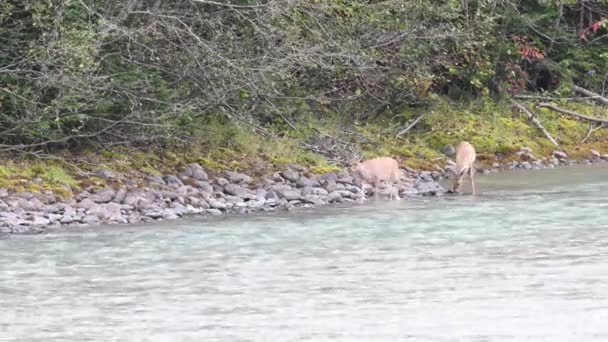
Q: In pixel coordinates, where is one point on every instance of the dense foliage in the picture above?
(80, 72)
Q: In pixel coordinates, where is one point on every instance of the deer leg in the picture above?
(472, 176)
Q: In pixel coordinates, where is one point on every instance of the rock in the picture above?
(271, 195)
(120, 195)
(87, 204)
(106, 174)
(334, 197)
(203, 186)
(236, 177)
(215, 204)
(560, 155)
(12, 219)
(196, 171)
(428, 188)
(214, 212)
(315, 200)
(3, 193)
(449, 150)
(307, 182)
(40, 221)
(327, 177)
(496, 165)
(345, 180)
(408, 191)
(595, 153)
(291, 195)
(222, 181)
(155, 179)
(526, 165)
(66, 219)
(331, 185)
(235, 190)
(90, 219)
(255, 204)
(173, 180)
(103, 196)
(291, 175)
(50, 208)
(310, 191)
(604, 157)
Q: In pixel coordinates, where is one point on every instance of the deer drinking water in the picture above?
(376, 171)
(465, 165)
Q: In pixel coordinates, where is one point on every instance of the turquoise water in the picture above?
(527, 259)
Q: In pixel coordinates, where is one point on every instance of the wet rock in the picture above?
(291, 195)
(526, 165)
(388, 193)
(255, 204)
(271, 195)
(408, 191)
(214, 212)
(40, 221)
(291, 175)
(90, 219)
(449, 150)
(604, 157)
(315, 200)
(216, 204)
(239, 178)
(310, 191)
(12, 219)
(428, 188)
(334, 197)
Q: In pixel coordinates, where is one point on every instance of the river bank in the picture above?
(194, 190)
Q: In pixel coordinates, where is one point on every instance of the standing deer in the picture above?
(465, 164)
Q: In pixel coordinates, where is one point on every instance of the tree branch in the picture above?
(572, 113)
(535, 121)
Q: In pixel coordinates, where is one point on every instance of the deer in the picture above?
(465, 165)
(376, 171)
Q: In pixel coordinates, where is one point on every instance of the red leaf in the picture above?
(596, 26)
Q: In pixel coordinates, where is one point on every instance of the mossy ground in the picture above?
(494, 129)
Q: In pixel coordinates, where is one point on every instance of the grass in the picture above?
(492, 128)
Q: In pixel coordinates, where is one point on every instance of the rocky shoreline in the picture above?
(193, 192)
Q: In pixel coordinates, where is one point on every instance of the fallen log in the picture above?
(572, 113)
(410, 126)
(535, 121)
(595, 96)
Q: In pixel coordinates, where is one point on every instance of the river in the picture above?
(525, 260)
